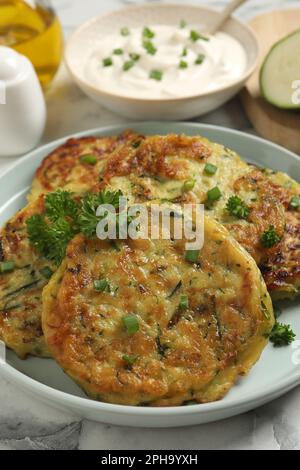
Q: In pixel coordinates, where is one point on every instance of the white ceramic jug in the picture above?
(22, 104)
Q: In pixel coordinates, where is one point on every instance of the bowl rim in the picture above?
(127, 9)
(59, 397)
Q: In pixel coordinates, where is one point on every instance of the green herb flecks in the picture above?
(183, 64)
(270, 237)
(295, 202)
(148, 33)
(210, 169)
(118, 51)
(149, 47)
(107, 62)
(128, 65)
(7, 266)
(156, 75)
(200, 59)
(214, 194)
(131, 324)
(89, 159)
(237, 207)
(195, 36)
(125, 31)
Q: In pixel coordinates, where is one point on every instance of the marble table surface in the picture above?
(25, 423)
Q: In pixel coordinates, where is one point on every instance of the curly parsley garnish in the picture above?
(63, 218)
(282, 334)
(270, 237)
(236, 206)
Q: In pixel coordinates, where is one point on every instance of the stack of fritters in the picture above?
(176, 355)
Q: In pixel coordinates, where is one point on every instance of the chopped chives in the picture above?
(148, 33)
(200, 59)
(184, 302)
(210, 169)
(131, 324)
(188, 185)
(134, 56)
(184, 52)
(295, 202)
(195, 36)
(118, 51)
(183, 64)
(7, 266)
(214, 194)
(150, 48)
(100, 285)
(46, 272)
(90, 159)
(182, 24)
(192, 256)
(107, 62)
(128, 65)
(156, 75)
(130, 359)
(125, 31)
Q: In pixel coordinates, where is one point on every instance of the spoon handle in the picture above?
(224, 15)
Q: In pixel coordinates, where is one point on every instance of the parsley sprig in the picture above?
(282, 334)
(63, 218)
(236, 206)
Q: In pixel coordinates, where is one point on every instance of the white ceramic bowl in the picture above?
(275, 373)
(169, 14)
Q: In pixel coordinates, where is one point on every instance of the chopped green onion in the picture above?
(150, 48)
(147, 33)
(214, 194)
(210, 169)
(195, 36)
(156, 75)
(7, 266)
(100, 285)
(184, 52)
(107, 62)
(134, 56)
(295, 202)
(131, 324)
(46, 272)
(118, 51)
(125, 31)
(130, 359)
(183, 64)
(270, 237)
(188, 185)
(200, 59)
(192, 256)
(184, 302)
(182, 24)
(89, 159)
(128, 65)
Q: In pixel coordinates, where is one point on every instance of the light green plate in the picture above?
(278, 369)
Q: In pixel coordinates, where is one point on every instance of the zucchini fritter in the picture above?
(21, 289)
(135, 323)
(160, 167)
(75, 166)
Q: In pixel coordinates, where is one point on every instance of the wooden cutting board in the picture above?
(280, 126)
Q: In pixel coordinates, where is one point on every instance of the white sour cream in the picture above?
(222, 57)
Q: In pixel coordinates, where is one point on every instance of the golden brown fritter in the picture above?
(193, 327)
(159, 167)
(21, 289)
(67, 166)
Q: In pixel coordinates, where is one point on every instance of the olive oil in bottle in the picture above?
(32, 28)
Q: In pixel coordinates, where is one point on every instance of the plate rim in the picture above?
(85, 403)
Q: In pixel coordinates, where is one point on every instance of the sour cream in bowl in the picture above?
(157, 62)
